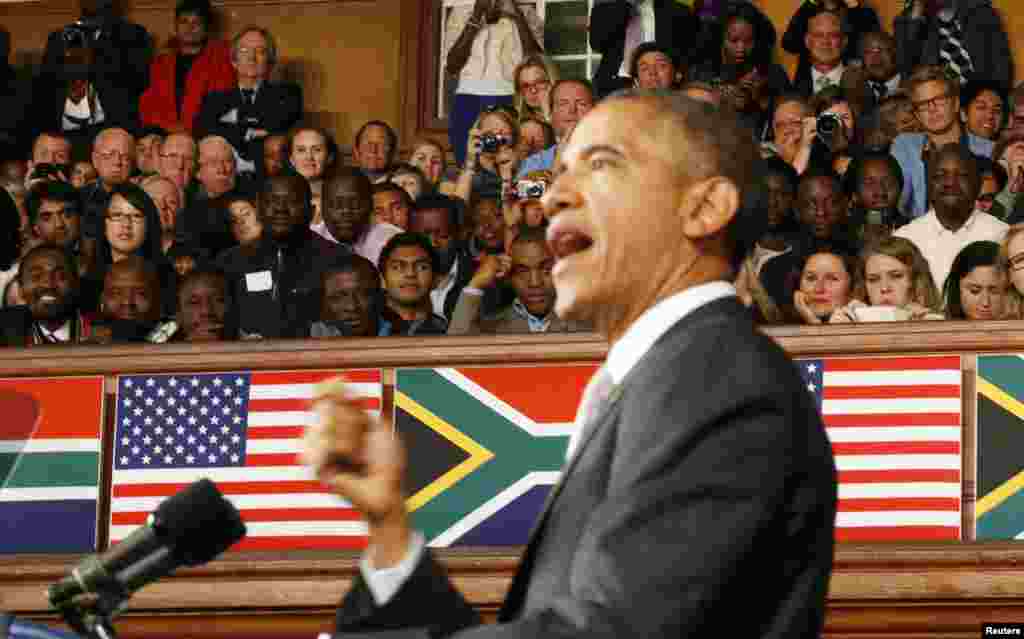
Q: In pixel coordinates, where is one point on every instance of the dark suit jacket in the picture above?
(278, 107)
(702, 498)
(917, 42)
(859, 21)
(674, 26)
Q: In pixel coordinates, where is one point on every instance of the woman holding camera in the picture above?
(492, 154)
(893, 283)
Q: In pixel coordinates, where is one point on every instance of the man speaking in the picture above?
(699, 495)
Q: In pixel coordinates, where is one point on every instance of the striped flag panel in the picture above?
(242, 430)
(895, 428)
(49, 464)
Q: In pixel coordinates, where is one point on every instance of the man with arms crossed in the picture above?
(700, 484)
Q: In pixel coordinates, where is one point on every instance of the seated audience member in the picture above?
(350, 299)
(391, 205)
(255, 108)
(374, 150)
(131, 227)
(791, 133)
(428, 156)
(246, 226)
(825, 43)
(976, 287)
(836, 138)
(874, 180)
(82, 173)
(205, 308)
(493, 133)
(893, 277)
(570, 99)
(411, 179)
(485, 45)
(742, 66)
(113, 155)
(965, 37)
(204, 223)
(168, 199)
(936, 100)
(983, 109)
(11, 245)
(1009, 153)
(656, 66)
(522, 206)
(485, 227)
(184, 259)
(436, 217)
(194, 66)
(130, 303)
(55, 215)
(13, 169)
(822, 45)
(533, 78)
(896, 115)
(535, 136)
(780, 234)
(277, 279)
(49, 286)
(952, 222)
(1015, 123)
(348, 207)
(880, 75)
(275, 156)
(178, 162)
(147, 151)
(311, 152)
(528, 269)
(993, 181)
(826, 283)
(409, 265)
(1011, 256)
(53, 148)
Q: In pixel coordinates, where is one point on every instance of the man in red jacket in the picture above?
(180, 78)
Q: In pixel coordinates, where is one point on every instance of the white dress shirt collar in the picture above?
(835, 77)
(656, 321)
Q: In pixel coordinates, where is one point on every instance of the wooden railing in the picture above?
(904, 590)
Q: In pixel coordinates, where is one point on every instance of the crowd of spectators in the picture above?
(185, 196)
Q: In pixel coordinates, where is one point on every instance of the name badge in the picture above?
(259, 281)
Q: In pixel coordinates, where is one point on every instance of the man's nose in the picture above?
(561, 196)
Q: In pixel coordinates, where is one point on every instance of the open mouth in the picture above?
(565, 239)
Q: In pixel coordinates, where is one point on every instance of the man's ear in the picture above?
(708, 207)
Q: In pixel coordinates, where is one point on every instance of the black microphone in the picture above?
(13, 628)
(187, 529)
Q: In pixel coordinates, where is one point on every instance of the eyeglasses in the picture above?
(133, 219)
(1016, 262)
(534, 87)
(938, 102)
(258, 52)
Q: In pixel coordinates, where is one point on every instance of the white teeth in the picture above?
(47, 298)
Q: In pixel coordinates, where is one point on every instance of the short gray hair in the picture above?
(271, 44)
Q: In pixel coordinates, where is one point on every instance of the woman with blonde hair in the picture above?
(892, 282)
(1011, 256)
(492, 154)
(533, 79)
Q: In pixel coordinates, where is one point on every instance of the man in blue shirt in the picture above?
(936, 101)
(570, 101)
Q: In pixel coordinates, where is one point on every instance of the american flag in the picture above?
(895, 428)
(241, 430)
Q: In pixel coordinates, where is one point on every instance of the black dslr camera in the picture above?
(82, 33)
(48, 170)
(490, 143)
(828, 127)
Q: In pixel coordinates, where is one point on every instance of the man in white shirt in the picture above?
(953, 222)
(696, 482)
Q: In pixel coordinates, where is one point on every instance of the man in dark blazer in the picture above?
(256, 108)
(700, 490)
(617, 27)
